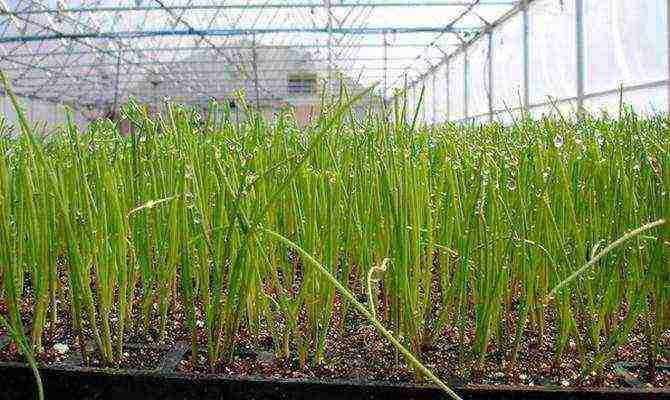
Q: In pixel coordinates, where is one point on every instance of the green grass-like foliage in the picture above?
(476, 222)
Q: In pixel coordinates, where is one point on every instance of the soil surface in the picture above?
(355, 351)
(359, 353)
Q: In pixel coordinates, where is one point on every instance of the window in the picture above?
(302, 84)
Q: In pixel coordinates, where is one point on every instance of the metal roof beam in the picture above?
(289, 61)
(228, 33)
(50, 28)
(454, 21)
(203, 78)
(310, 5)
(518, 8)
(200, 48)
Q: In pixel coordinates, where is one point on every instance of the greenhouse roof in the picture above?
(99, 53)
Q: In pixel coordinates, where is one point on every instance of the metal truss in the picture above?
(100, 53)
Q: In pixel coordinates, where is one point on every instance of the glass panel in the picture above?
(440, 94)
(456, 89)
(409, 106)
(422, 110)
(644, 101)
(566, 108)
(626, 43)
(507, 118)
(428, 99)
(508, 64)
(478, 78)
(553, 55)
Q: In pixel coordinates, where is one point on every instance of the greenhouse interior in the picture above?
(335, 199)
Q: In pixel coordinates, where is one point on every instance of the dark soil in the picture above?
(355, 351)
(137, 358)
(361, 354)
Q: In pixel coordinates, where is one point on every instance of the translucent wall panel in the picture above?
(644, 101)
(414, 96)
(8, 111)
(422, 104)
(508, 64)
(448, 83)
(434, 97)
(39, 111)
(565, 107)
(428, 100)
(648, 101)
(79, 120)
(626, 43)
(440, 94)
(608, 104)
(478, 78)
(538, 112)
(553, 54)
(409, 104)
(456, 88)
(508, 118)
(479, 120)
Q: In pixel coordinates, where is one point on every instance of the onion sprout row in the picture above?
(443, 230)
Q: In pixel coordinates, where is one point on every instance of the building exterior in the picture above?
(270, 77)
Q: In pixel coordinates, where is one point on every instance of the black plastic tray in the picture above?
(68, 380)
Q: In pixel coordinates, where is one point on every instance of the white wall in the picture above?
(625, 44)
(38, 111)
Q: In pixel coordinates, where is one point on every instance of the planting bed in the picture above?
(69, 383)
(348, 259)
(357, 367)
(158, 372)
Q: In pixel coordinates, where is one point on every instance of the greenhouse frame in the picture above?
(476, 60)
(335, 199)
